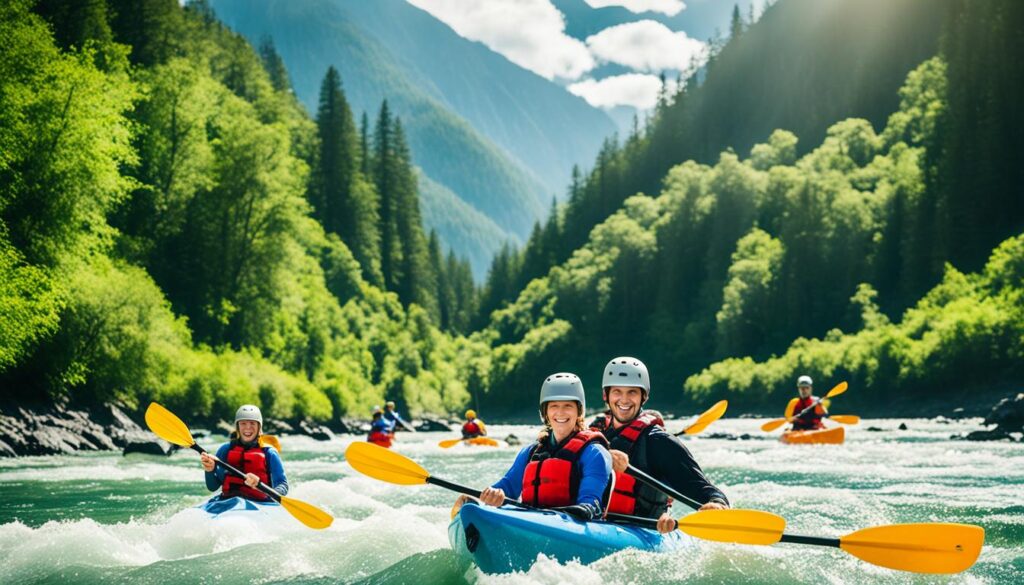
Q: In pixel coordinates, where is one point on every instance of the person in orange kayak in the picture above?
(811, 420)
(473, 427)
(243, 451)
(567, 468)
(382, 430)
(638, 437)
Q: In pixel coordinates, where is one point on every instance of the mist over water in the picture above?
(106, 518)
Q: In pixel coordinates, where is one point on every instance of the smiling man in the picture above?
(638, 436)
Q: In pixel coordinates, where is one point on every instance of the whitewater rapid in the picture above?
(94, 518)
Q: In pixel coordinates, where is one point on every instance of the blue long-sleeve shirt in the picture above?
(382, 425)
(595, 465)
(278, 480)
(394, 417)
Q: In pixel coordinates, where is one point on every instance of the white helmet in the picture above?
(249, 412)
(626, 371)
(804, 381)
(562, 386)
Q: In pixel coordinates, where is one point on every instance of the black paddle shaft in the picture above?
(232, 469)
(470, 491)
(662, 487)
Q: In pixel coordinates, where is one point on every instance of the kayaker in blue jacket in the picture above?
(382, 430)
(638, 437)
(396, 419)
(568, 468)
(244, 452)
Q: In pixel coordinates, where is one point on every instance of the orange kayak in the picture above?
(833, 436)
(482, 441)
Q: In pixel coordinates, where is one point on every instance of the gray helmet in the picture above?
(249, 412)
(626, 371)
(804, 381)
(562, 386)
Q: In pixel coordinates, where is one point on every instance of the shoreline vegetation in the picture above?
(175, 227)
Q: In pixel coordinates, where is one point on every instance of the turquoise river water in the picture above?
(95, 518)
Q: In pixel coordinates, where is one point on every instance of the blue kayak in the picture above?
(219, 507)
(507, 539)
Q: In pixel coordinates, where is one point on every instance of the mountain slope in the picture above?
(311, 36)
(537, 121)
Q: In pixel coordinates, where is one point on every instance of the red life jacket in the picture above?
(627, 491)
(811, 420)
(380, 438)
(471, 429)
(246, 460)
(553, 479)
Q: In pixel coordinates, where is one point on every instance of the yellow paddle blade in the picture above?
(710, 415)
(846, 419)
(773, 424)
(449, 443)
(920, 548)
(837, 390)
(270, 441)
(739, 526)
(167, 426)
(306, 513)
(384, 464)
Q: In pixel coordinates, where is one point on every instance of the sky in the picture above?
(531, 34)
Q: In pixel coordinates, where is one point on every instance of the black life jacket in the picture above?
(552, 477)
(247, 460)
(631, 496)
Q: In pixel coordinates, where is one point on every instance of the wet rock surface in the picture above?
(426, 425)
(51, 429)
(1008, 417)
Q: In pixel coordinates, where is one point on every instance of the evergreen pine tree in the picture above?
(274, 65)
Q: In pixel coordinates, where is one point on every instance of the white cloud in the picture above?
(530, 33)
(639, 90)
(667, 7)
(645, 45)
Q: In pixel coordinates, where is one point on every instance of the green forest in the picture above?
(175, 226)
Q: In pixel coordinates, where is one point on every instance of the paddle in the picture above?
(450, 443)
(386, 465)
(919, 548)
(270, 441)
(170, 428)
(710, 415)
(774, 424)
(846, 419)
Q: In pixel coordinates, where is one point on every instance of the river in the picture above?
(94, 518)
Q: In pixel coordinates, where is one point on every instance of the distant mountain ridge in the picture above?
(502, 139)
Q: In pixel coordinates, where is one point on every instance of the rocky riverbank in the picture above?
(59, 428)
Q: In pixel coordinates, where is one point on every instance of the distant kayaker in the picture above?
(393, 417)
(812, 418)
(568, 467)
(638, 437)
(473, 427)
(382, 430)
(244, 452)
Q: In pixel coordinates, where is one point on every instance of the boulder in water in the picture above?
(274, 426)
(874, 429)
(902, 427)
(426, 425)
(1008, 414)
(148, 446)
(996, 434)
(315, 430)
(512, 440)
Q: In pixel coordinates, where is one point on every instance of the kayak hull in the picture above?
(482, 442)
(507, 539)
(217, 507)
(833, 436)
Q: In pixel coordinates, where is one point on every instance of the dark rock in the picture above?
(996, 434)
(1007, 414)
(7, 451)
(513, 440)
(273, 426)
(874, 429)
(902, 427)
(201, 433)
(745, 437)
(340, 426)
(315, 430)
(148, 446)
(426, 425)
(225, 426)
